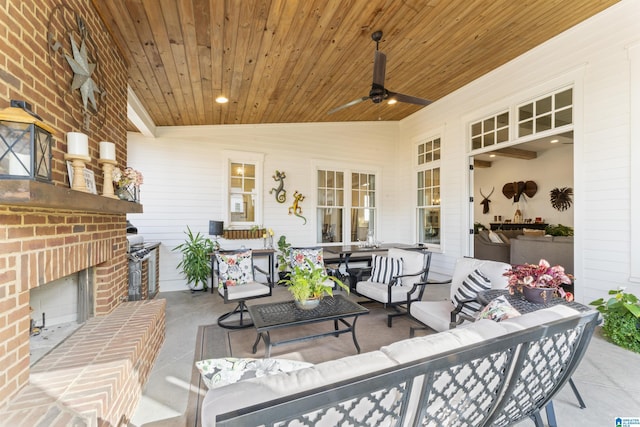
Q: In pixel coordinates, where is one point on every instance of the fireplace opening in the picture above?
(58, 309)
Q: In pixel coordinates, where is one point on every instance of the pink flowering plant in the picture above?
(542, 275)
(127, 177)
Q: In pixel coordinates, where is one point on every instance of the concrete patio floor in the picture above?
(607, 378)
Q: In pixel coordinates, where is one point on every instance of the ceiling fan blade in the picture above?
(379, 67)
(408, 99)
(349, 104)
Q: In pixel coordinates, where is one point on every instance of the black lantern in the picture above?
(25, 144)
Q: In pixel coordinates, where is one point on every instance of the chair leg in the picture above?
(537, 419)
(577, 393)
(240, 310)
(551, 414)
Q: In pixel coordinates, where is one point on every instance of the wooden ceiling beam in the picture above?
(516, 153)
(481, 163)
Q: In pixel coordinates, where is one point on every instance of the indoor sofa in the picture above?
(485, 373)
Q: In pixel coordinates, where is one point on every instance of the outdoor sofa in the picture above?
(483, 373)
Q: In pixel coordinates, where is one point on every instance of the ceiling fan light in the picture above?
(222, 99)
(392, 101)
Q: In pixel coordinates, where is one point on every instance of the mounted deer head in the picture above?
(485, 201)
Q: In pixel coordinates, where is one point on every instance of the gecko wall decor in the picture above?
(281, 193)
(295, 208)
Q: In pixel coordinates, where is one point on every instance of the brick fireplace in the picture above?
(40, 245)
(48, 231)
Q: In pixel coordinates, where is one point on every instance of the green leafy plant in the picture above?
(195, 263)
(311, 283)
(284, 251)
(558, 230)
(621, 315)
(477, 227)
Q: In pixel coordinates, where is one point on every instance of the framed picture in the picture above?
(89, 178)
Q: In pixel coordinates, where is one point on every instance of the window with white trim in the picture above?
(545, 113)
(428, 192)
(330, 205)
(363, 206)
(335, 202)
(244, 178)
(490, 131)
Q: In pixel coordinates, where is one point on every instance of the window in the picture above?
(330, 205)
(549, 112)
(363, 204)
(242, 206)
(428, 194)
(334, 203)
(490, 131)
(429, 151)
(243, 179)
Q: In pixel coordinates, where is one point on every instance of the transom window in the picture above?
(490, 131)
(549, 112)
(429, 151)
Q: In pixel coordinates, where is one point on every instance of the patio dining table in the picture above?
(348, 253)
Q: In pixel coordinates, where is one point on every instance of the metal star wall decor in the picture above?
(82, 71)
(72, 51)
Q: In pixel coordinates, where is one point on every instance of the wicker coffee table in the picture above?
(271, 316)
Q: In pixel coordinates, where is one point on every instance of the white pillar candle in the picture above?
(77, 144)
(107, 150)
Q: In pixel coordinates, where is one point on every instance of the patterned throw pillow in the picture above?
(498, 309)
(298, 256)
(474, 283)
(235, 269)
(229, 370)
(383, 269)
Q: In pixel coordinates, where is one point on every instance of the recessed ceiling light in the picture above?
(392, 101)
(553, 141)
(492, 155)
(222, 100)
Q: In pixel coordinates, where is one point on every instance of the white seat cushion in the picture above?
(435, 314)
(247, 290)
(379, 291)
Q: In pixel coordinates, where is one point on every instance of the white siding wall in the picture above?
(184, 182)
(592, 56)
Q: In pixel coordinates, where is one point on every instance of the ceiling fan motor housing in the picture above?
(378, 93)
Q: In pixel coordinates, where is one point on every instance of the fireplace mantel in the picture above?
(43, 195)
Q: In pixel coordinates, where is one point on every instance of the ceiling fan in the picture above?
(378, 92)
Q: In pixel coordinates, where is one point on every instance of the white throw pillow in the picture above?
(474, 283)
(498, 309)
(383, 269)
(229, 370)
(494, 237)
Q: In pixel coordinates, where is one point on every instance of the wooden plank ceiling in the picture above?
(289, 61)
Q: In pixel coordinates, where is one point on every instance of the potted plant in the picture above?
(284, 252)
(195, 264)
(621, 315)
(309, 285)
(539, 282)
(558, 230)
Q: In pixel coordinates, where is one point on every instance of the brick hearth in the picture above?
(95, 377)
